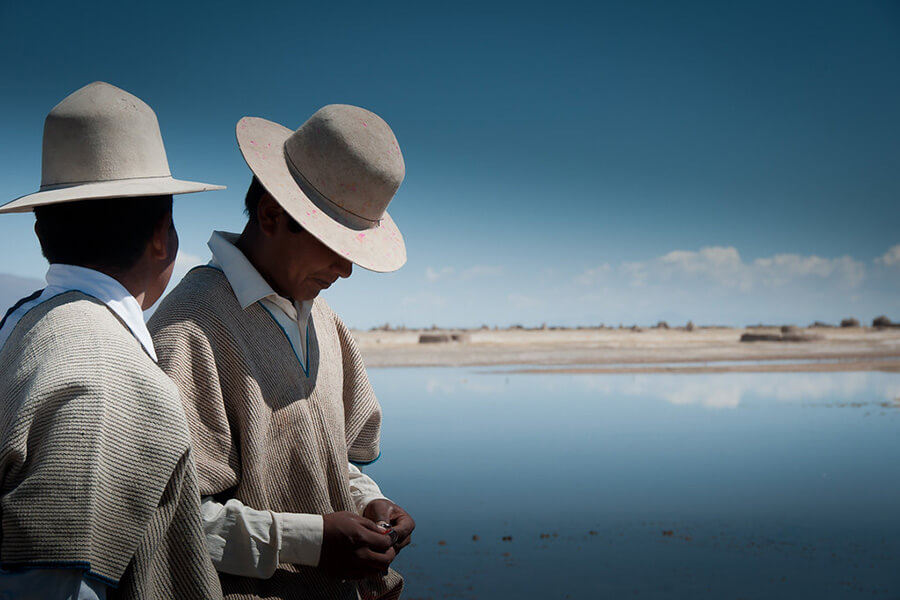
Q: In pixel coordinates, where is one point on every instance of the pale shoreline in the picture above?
(604, 350)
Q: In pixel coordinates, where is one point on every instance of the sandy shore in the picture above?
(704, 350)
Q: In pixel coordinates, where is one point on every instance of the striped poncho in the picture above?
(95, 457)
(265, 431)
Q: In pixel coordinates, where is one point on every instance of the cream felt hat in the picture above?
(102, 142)
(335, 176)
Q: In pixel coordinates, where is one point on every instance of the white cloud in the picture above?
(480, 271)
(637, 272)
(432, 274)
(474, 272)
(891, 257)
(593, 275)
(782, 269)
(723, 266)
(424, 300)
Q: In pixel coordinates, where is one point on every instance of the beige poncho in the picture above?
(95, 457)
(263, 431)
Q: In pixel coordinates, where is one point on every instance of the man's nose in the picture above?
(342, 266)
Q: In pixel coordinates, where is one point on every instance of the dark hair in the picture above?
(110, 232)
(251, 204)
(251, 200)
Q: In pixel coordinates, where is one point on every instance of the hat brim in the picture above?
(124, 188)
(379, 248)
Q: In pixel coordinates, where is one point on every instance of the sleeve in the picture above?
(251, 543)
(186, 354)
(362, 488)
(362, 413)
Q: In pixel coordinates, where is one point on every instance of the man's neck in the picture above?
(252, 244)
(134, 280)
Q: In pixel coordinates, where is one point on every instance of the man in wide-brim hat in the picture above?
(279, 404)
(98, 491)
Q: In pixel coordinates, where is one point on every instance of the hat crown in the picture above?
(101, 133)
(350, 156)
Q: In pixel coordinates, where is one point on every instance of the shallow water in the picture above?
(735, 485)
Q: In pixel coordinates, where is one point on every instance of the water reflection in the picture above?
(724, 485)
(721, 390)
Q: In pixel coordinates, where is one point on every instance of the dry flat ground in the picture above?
(704, 350)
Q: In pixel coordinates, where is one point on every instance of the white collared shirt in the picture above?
(242, 540)
(66, 278)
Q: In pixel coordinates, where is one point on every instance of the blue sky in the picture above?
(568, 163)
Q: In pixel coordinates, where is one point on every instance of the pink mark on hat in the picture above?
(364, 123)
(360, 236)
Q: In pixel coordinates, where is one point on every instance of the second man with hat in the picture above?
(98, 492)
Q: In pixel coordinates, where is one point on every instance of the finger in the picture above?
(404, 525)
(369, 524)
(376, 562)
(375, 540)
(379, 511)
(402, 543)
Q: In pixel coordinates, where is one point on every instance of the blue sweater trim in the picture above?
(361, 463)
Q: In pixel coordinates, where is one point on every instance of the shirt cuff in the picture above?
(362, 500)
(301, 538)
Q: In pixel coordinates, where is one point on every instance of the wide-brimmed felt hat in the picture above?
(335, 176)
(102, 142)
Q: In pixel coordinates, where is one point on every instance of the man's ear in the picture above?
(268, 213)
(160, 246)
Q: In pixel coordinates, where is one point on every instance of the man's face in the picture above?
(308, 266)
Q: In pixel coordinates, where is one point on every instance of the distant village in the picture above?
(880, 322)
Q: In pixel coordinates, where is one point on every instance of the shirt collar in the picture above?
(248, 285)
(63, 278)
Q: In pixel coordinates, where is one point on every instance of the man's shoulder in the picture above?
(71, 321)
(73, 339)
(321, 308)
(198, 284)
(202, 295)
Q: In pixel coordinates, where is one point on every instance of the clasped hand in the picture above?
(354, 547)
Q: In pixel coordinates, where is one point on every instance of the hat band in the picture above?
(59, 186)
(332, 209)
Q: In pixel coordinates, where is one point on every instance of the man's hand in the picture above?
(354, 547)
(401, 522)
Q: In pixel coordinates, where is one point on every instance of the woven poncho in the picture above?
(264, 431)
(95, 457)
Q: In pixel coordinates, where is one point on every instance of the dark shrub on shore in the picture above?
(881, 321)
(851, 322)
